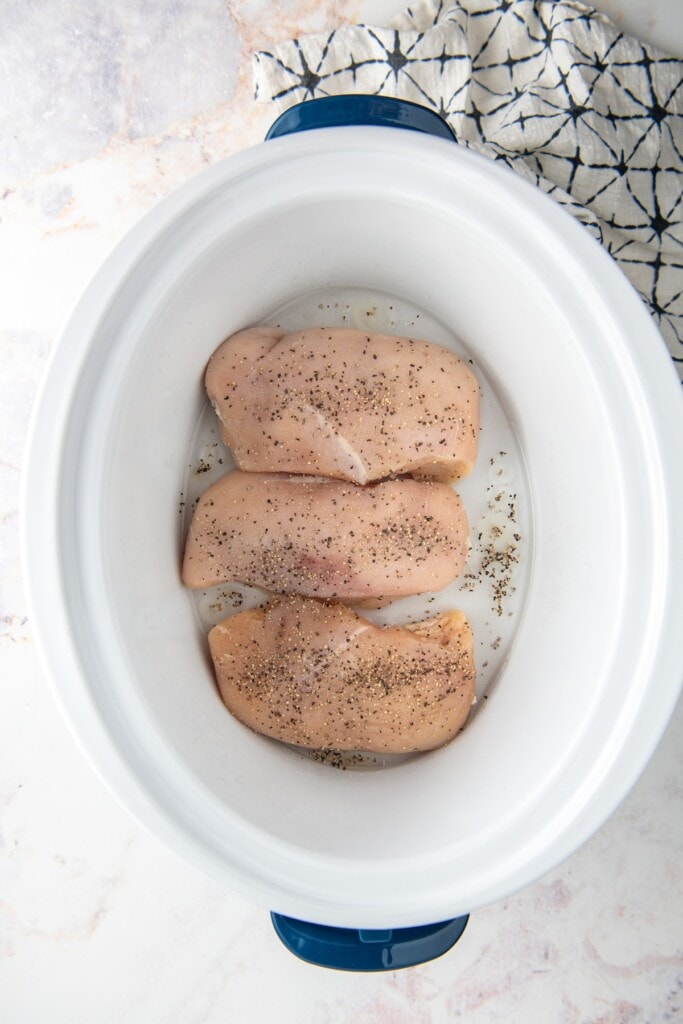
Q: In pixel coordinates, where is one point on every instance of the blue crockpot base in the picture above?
(350, 949)
(336, 111)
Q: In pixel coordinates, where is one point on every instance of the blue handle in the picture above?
(351, 949)
(334, 111)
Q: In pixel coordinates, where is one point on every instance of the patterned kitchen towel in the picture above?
(552, 88)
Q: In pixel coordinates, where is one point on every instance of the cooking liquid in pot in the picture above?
(491, 591)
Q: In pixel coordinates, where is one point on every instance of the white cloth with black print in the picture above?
(590, 115)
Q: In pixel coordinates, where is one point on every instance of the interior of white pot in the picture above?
(228, 262)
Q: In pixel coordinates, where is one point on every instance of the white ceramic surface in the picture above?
(98, 921)
(585, 691)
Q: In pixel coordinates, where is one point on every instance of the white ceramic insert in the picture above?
(592, 663)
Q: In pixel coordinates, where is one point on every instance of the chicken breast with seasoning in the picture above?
(326, 538)
(345, 404)
(319, 676)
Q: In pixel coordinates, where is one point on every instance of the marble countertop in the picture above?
(106, 107)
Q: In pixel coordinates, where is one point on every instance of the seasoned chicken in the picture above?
(343, 403)
(326, 538)
(317, 675)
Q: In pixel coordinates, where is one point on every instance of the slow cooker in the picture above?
(367, 211)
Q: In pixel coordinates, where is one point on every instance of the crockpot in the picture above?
(374, 196)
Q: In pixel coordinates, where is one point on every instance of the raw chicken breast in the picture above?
(346, 404)
(317, 675)
(326, 538)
